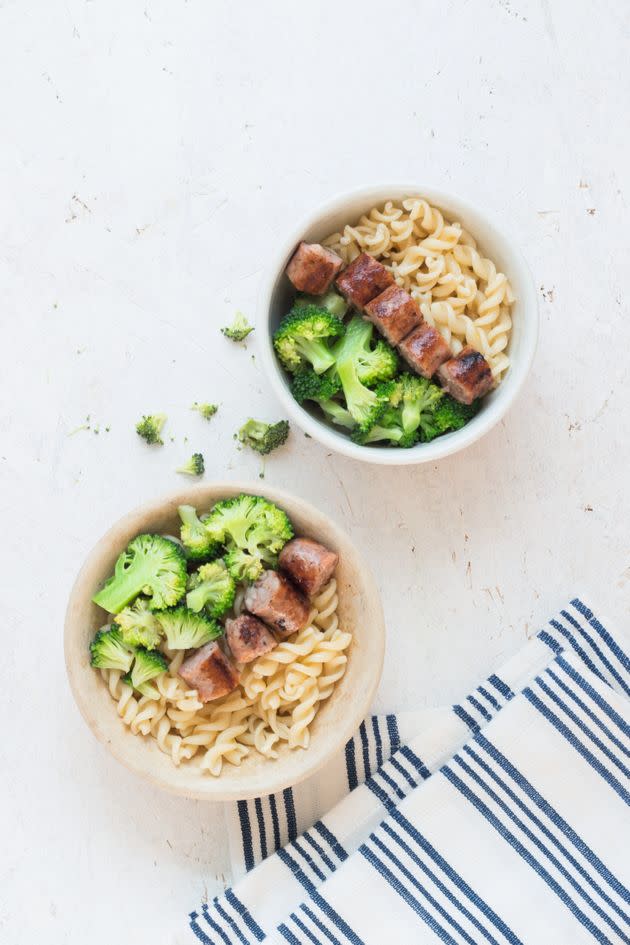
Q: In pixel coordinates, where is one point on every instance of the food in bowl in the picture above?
(226, 640)
(399, 326)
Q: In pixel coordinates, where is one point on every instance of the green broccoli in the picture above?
(108, 651)
(263, 437)
(253, 531)
(307, 385)
(303, 338)
(138, 625)
(187, 630)
(207, 411)
(150, 428)
(449, 415)
(146, 666)
(373, 364)
(150, 565)
(194, 467)
(364, 404)
(420, 400)
(331, 301)
(337, 413)
(239, 329)
(198, 544)
(212, 589)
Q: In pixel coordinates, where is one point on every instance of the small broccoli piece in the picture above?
(150, 565)
(207, 411)
(420, 400)
(138, 625)
(264, 437)
(449, 415)
(253, 531)
(374, 364)
(194, 467)
(212, 589)
(150, 428)
(331, 301)
(303, 338)
(108, 651)
(239, 329)
(187, 630)
(307, 385)
(146, 666)
(198, 544)
(337, 413)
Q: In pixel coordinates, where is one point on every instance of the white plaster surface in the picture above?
(152, 153)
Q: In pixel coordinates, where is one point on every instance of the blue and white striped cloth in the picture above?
(502, 820)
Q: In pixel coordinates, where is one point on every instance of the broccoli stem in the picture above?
(317, 353)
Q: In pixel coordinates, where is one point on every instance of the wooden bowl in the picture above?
(360, 612)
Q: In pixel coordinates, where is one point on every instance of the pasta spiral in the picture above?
(459, 290)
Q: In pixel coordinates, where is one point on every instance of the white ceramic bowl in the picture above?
(277, 293)
(339, 716)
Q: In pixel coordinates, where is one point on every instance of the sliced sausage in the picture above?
(210, 672)
(312, 268)
(394, 313)
(308, 563)
(363, 280)
(248, 637)
(275, 600)
(467, 376)
(424, 350)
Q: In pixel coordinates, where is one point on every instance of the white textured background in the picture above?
(152, 154)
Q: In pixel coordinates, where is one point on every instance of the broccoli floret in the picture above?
(373, 364)
(150, 428)
(108, 651)
(194, 467)
(303, 338)
(253, 531)
(449, 415)
(420, 400)
(187, 630)
(198, 544)
(331, 301)
(207, 411)
(364, 404)
(150, 565)
(337, 414)
(307, 385)
(211, 589)
(388, 428)
(146, 666)
(239, 329)
(138, 625)
(264, 437)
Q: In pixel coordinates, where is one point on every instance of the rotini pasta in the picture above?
(276, 701)
(459, 290)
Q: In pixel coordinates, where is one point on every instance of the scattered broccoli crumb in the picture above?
(150, 428)
(194, 467)
(264, 437)
(207, 411)
(239, 329)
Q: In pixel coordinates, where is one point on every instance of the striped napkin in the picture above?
(503, 819)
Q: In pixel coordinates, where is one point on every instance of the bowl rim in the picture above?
(442, 446)
(210, 789)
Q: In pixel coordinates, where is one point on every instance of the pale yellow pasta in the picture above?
(276, 701)
(459, 290)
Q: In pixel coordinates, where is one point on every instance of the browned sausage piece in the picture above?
(424, 350)
(466, 376)
(312, 268)
(210, 672)
(363, 280)
(308, 563)
(394, 313)
(248, 637)
(276, 601)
